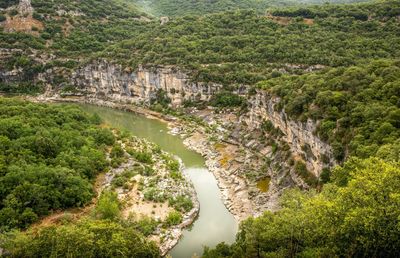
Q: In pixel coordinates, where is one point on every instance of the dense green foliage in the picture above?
(243, 48)
(49, 156)
(89, 238)
(7, 3)
(355, 216)
(201, 7)
(359, 106)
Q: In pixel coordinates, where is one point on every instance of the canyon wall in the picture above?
(104, 81)
(101, 80)
(300, 136)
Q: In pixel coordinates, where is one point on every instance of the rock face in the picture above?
(300, 136)
(106, 81)
(25, 7)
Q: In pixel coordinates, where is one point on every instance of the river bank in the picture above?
(234, 191)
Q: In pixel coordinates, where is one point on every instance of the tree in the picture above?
(108, 206)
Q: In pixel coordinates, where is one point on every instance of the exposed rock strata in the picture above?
(107, 81)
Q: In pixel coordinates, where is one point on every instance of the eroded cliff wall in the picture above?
(107, 81)
(300, 136)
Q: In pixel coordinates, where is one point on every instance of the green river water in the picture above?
(215, 224)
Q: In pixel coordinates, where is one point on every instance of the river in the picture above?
(215, 223)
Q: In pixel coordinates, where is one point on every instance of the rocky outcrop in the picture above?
(25, 7)
(102, 80)
(300, 136)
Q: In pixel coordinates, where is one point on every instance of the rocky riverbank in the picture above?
(234, 189)
(146, 187)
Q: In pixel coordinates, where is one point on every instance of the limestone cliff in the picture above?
(300, 136)
(103, 80)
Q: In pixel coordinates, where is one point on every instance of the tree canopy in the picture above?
(49, 156)
(356, 215)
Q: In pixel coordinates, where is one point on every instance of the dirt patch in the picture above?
(309, 21)
(287, 20)
(66, 28)
(280, 20)
(134, 204)
(227, 153)
(23, 24)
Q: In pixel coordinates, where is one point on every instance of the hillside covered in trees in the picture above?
(201, 7)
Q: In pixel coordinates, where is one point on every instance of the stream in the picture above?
(215, 223)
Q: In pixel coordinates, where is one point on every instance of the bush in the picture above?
(103, 136)
(181, 203)
(143, 157)
(117, 151)
(173, 218)
(108, 206)
(226, 99)
(301, 170)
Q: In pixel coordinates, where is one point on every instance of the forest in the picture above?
(202, 7)
(230, 48)
(50, 156)
(358, 106)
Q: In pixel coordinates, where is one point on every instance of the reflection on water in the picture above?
(215, 224)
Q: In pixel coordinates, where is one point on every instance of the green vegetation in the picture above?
(181, 203)
(108, 206)
(143, 157)
(174, 218)
(88, 238)
(201, 7)
(231, 48)
(337, 65)
(243, 48)
(7, 3)
(358, 106)
(301, 170)
(49, 156)
(103, 234)
(226, 99)
(121, 179)
(355, 215)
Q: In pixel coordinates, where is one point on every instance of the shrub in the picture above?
(173, 218)
(226, 99)
(181, 203)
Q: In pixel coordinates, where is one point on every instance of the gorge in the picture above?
(141, 128)
(103, 83)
